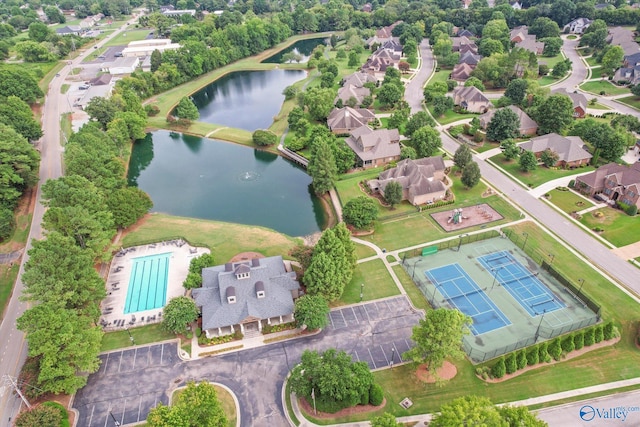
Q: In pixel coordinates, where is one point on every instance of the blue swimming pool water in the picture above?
(148, 283)
(464, 294)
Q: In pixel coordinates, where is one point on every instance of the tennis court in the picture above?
(524, 286)
(462, 292)
(148, 283)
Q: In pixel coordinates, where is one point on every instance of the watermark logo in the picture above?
(590, 413)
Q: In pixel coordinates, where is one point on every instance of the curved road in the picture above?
(13, 349)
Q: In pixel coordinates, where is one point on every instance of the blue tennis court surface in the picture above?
(526, 288)
(463, 293)
(148, 283)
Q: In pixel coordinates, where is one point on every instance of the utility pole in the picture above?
(12, 381)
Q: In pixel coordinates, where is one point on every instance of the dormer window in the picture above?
(242, 276)
(231, 295)
(242, 271)
(260, 289)
(260, 294)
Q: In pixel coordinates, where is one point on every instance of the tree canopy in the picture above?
(504, 124)
(555, 114)
(462, 156)
(311, 311)
(322, 167)
(178, 313)
(475, 410)
(471, 175)
(196, 406)
(360, 212)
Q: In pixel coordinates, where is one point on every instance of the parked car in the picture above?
(83, 87)
(118, 54)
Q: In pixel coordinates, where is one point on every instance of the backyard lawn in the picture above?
(539, 175)
(568, 201)
(604, 86)
(376, 280)
(619, 228)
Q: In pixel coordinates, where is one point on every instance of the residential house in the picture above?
(518, 34)
(457, 42)
(246, 296)
(90, 21)
(632, 60)
(121, 66)
(382, 35)
(516, 5)
(471, 47)
(531, 44)
(422, 180)
(580, 101)
(379, 61)
(624, 38)
(466, 4)
(569, 149)
(527, 126)
(367, 8)
(577, 26)
(393, 45)
(469, 58)
(358, 79)
(191, 12)
(616, 182)
(344, 120)
(461, 72)
(347, 92)
(465, 33)
(471, 99)
(626, 75)
(374, 147)
(75, 30)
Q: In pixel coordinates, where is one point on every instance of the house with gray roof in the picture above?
(461, 72)
(246, 295)
(347, 92)
(75, 30)
(531, 44)
(471, 99)
(344, 120)
(624, 38)
(469, 58)
(422, 180)
(632, 60)
(569, 149)
(626, 75)
(358, 79)
(527, 127)
(577, 26)
(580, 101)
(616, 182)
(374, 147)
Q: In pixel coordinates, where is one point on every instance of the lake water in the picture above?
(203, 178)
(301, 47)
(246, 100)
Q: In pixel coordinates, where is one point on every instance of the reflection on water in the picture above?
(301, 47)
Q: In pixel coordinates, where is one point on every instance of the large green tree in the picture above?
(128, 205)
(385, 420)
(612, 60)
(311, 311)
(438, 336)
(426, 141)
(393, 193)
(479, 411)
(196, 406)
(360, 212)
(416, 121)
(319, 102)
(178, 313)
(528, 161)
(470, 175)
(516, 91)
(390, 94)
(555, 114)
(611, 142)
(322, 167)
(19, 166)
(503, 125)
(187, 110)
(462, 156)
(102, 110)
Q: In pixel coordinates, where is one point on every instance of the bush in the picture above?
(510, 363)
(151, 110)
(608, 331)
(264, 137)
(567, 344)
(42, 415)
(198, 332)
(572, 183)
(454, 131)
(532, 356)
(521, 359)
(555, 349)
(578, 340)
(376, 396)
(589, 338)
(499, 369)
(364, 398)
(632, 210)
(238, 335)
(451, 84)
(598, 334)
(483, 372)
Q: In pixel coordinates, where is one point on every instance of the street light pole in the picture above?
(115, 422)
(361, 291)
(495, 276)
(130, 336)
(539, 325)
(581, 281)
(552, 256)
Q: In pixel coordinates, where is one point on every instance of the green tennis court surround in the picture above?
(148, 283)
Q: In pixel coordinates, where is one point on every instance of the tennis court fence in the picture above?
(570, 287)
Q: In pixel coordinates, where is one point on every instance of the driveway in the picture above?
(132, 381)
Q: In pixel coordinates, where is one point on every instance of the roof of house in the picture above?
(526, 122)
(530, 44)
(465, 33)
(624, 38)
(348, 91)
(624, 174)
(277, 284)
(349, 118)
(568, 149)
(579, 22)
(470, 94)
(393, 44)
(469, 58)
(578, 99)
(459, 41)
(415, 176)
(461, 72)
(104, 79)
(520, 32)
(633, 59)
(69, 29)
(471, 47)
(377, 144)
(358, 79)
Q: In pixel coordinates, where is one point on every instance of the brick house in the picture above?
(527, 127)
(619, 183)
(374, 147)
(569, 149)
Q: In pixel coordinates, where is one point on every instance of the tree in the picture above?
(54, 15)
(475, 82)
(354, 59)
(552, 46)
(196, 406)
(319, 102)
(610, 143)
(19, 162)
(39, 416)
(311, 311)
(490, 46)
(509, 149)
(612, 59)
(544, 27)
(39, 32)
(462, 156)
(385, 420)
(264, 137)
(32, 51)
(561, 68)
(393, 193)
(322, 167)
(471, 175)
(479, 411)
(438, 336)
(128, 205)
(554, 114)
(549, 158)
(102, 110)
(636, 90)
(178, 313)
(416, 121)
(426, 141)
(441, 104)
(20, 84)
(399, 118)
(360, 212)
(408, 153)
(528, 161)
(516, 91)
(187, 110)
(390, 93)
(335, 380)
(504, 124)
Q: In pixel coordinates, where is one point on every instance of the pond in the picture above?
(246, 100)
(301, 47)
(204, 178)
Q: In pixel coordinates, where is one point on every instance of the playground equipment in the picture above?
(456, 217)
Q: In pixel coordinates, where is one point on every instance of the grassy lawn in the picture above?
(440, 76)
(547, 80)
(128, 36)
(539, 175)
(415, 295)
(9, 272)
(377, 284)
(572, 37)
(592, 61)
(239, 136)
(363, 251)
(604, 86)
(486, 146)
(619, 228)
(451, 116)
(224, 239)
(65, 126)
(551, 61)
(569, 201)
(631, 101)
(598, 106)
(596, 73)
(142, 335)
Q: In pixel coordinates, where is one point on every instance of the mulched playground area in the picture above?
(469, 216)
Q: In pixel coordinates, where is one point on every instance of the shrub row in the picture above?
(548, 350)
(203, 340)
(269, 329)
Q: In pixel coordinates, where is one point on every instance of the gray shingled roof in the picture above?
(377, 144)
(358, 79)
(212, 296)
(415, 176)
(623, 174)
(569, 149)
(578, 99)
(349, 118)
(526, 122)
(348, 91)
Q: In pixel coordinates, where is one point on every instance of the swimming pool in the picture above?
(148, 283)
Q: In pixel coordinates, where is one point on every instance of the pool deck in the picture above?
(117, 283)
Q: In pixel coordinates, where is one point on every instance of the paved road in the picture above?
(620, 409)
(413, 92)
(13, 348)
(132, 381)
